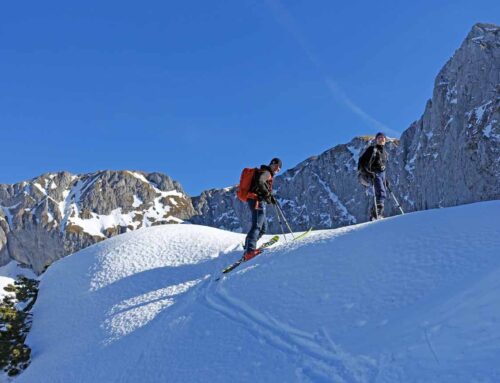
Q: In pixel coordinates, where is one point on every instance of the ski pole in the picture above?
(395, 200)
(283, 216)
(279, 221)
(278, 210)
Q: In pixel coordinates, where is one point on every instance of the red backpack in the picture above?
(246, 182)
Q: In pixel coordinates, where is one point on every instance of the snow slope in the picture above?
(413, 298)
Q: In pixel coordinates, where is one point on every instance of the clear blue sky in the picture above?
(200, 89)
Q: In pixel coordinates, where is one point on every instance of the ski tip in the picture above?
(305, 233)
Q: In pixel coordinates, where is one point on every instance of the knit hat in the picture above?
(276, 161)
(380, 134)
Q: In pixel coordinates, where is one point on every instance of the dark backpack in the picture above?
(364, 178)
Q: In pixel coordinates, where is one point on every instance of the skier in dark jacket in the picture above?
(262, 186)
(373, 162)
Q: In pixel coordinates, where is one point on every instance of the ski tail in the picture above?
(232, 267)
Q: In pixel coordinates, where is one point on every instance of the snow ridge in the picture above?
(144, 306)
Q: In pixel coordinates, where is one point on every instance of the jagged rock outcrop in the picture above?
(57, 214)
(450, 156)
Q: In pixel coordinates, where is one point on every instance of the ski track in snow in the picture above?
(320, 358)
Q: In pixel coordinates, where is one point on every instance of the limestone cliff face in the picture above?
(57, 214)
(450, 156)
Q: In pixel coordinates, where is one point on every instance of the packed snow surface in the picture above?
(413, 298)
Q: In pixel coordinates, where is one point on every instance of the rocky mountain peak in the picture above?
(58, 213)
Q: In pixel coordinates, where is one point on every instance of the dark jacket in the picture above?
(373, 160)
(263, 183)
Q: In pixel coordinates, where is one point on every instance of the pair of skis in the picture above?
(264, 246)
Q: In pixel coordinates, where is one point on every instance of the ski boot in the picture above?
(250, 254)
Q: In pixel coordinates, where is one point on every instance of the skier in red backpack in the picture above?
(259, 193)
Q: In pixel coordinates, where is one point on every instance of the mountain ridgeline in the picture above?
(450, 156)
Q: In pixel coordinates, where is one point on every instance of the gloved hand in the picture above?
(269, 198)
(387, 184)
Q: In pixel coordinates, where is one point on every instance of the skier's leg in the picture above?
(380, 193)
(253, 234)
(373, 210)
